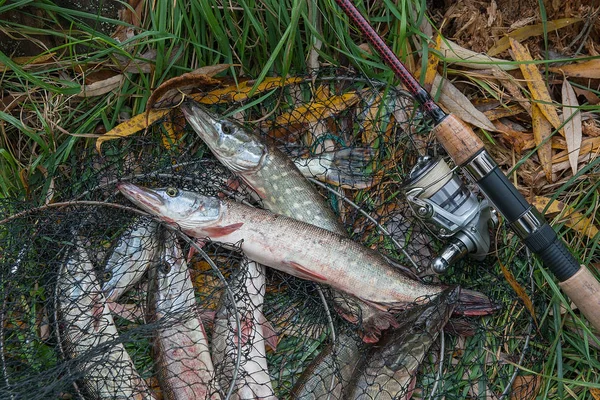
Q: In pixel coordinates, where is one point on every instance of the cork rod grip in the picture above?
(584, 290)
(458, 139)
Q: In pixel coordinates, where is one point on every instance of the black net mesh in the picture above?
(99, 301)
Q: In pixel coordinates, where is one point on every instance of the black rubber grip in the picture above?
(543, 241)
(546, 244)
(504, 195)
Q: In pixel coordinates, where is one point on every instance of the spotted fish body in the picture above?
(253, 380)
(286, 244)
(87, 332)
(283, 189)
(388, 372)
(185, 368)
(329, 374)
(130, 258)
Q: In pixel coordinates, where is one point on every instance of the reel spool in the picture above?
(439, 198)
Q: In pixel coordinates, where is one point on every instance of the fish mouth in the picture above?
(201, 120)
(142, 197)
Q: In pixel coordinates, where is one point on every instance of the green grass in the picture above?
(50, 126)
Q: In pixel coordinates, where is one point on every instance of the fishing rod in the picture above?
(467, 151)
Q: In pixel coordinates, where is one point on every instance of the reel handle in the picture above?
(467, 150)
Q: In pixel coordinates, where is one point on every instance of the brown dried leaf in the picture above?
(183, 83)
(595, 393)
(586, 69)
(513, 87)
(212, 70)
(536, 84)
(542, 130)
(528, 31)
(572, 127)
(455, 54)
(503, 111)
(510, 278)
(102, 87)
(131, 126)
(458, 104)
(24, 62)
(525, 387)
(572, 218)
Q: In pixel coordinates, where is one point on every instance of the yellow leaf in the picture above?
(536, 84)
(587, 69)
(573, 219)
(510, 278)
(432, 64)
(573, 128)
(240, 93)
(595, 393)
(528, 31)
(542, 130)
(318, 110)
(131, 126)
(169, 137)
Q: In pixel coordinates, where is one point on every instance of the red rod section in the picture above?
(388, 56)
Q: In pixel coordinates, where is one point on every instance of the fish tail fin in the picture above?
(473, 303)
(349, 168)
(375, 324)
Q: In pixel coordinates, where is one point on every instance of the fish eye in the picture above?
(107, 275)
(164, 267)
(226, 129)
(171, 192)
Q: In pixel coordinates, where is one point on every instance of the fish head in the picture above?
(189, 210)
(238, 149)
(174, 291)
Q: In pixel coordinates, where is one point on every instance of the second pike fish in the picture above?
(88, 333)
(389, 370)
(130, 258)
(253, 381)
(185, 368)
(291, 246)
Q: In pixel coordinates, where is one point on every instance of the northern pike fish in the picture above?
(130, 258)
(88, 333)
(300, 249)
(329, 374)
(388, 372)
(185, 368)
(253, 381)
(283, 190)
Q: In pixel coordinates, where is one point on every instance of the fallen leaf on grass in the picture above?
(572, 218)
(102, 87)
(525, 387)
(131, 126)
(521, 293)
(459, 105)
(586, 69)
(241, 92)
(432, 64)
(528, 31)
(183, 83)
(453, 53)
(542, 130)
(318, 110)
(595, 393)
(572, 126)
(24, 62)
(536, 84)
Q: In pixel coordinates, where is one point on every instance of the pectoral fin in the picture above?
(218, 231)
(305, 273)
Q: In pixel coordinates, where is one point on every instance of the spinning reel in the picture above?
(439, 198)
